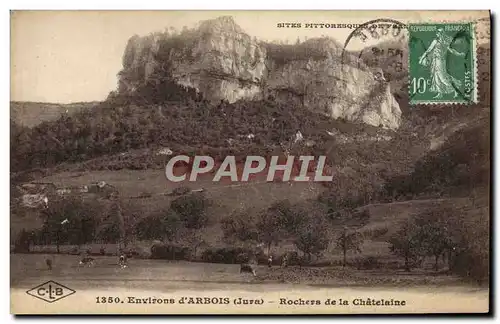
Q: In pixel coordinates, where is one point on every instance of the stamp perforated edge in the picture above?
(474, 66)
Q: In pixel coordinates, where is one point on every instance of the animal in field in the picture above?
(87, 261)
(245, 267)
(122, 261)
(48, 262)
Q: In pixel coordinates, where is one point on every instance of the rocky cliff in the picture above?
(224, 63)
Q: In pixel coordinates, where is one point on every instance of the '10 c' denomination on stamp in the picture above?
(442, 67)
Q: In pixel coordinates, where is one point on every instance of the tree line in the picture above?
(455, 239)
(160, 115)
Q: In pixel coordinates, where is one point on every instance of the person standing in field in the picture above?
(48, 261)
(284, 261)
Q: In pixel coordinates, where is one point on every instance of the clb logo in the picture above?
(50, 291)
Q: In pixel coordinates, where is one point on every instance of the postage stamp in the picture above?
(442, 63)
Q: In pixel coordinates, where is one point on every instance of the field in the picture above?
(252, 195)
(383, 217)
(164, 279)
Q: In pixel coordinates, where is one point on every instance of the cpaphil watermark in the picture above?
(299, 169)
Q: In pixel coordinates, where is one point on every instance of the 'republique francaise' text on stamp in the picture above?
(442, 63)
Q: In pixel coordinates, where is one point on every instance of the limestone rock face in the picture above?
(227, 63)
(222, 62)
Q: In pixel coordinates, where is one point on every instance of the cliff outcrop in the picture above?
(222, 62)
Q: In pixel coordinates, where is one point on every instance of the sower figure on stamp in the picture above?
(435, 57)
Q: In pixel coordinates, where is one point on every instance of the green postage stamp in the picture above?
(442, 67)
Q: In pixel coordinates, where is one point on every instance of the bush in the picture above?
(472, 265)
(367, 263)
(132, 253)
(229, 255)
(191, 209)
(293, 258)
(22, 243)
(170, 252)
(158, 226)
(323, 263)
(378, 232)
(179, 191)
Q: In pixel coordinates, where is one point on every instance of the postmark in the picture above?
(442, 63)
(381, 46)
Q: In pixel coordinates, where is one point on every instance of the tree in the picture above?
(407, 243)
(88, 228)
(240, 226)
(434, 233)
(191, 209)
(194, 239)
(158, 226)
(311, 237)
(109, 233)
(470, 232)
(342, 210)
(171, 223)
(116, 214)
(270, 227)
(70, 220)
(308, 226)
(22, 242)
(290, 216)
(349, 242)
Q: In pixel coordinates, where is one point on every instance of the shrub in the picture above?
(22, 243)
(179, 191)
(229, 255)
(323, 263)
(191, 209)
(367, 263)
(170, 252)
(471, 265)
(293, 258)
(158, 226)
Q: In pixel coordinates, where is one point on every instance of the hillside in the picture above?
(457, 163)
(30, 114)
(128, 136)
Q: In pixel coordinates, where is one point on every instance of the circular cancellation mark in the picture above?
(380, 46)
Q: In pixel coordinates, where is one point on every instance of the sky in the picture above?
(74, 56)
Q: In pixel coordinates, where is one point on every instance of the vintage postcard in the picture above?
(250, 162)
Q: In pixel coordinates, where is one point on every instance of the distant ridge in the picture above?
(30, 113)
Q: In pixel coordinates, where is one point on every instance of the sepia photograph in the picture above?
(250, 162)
